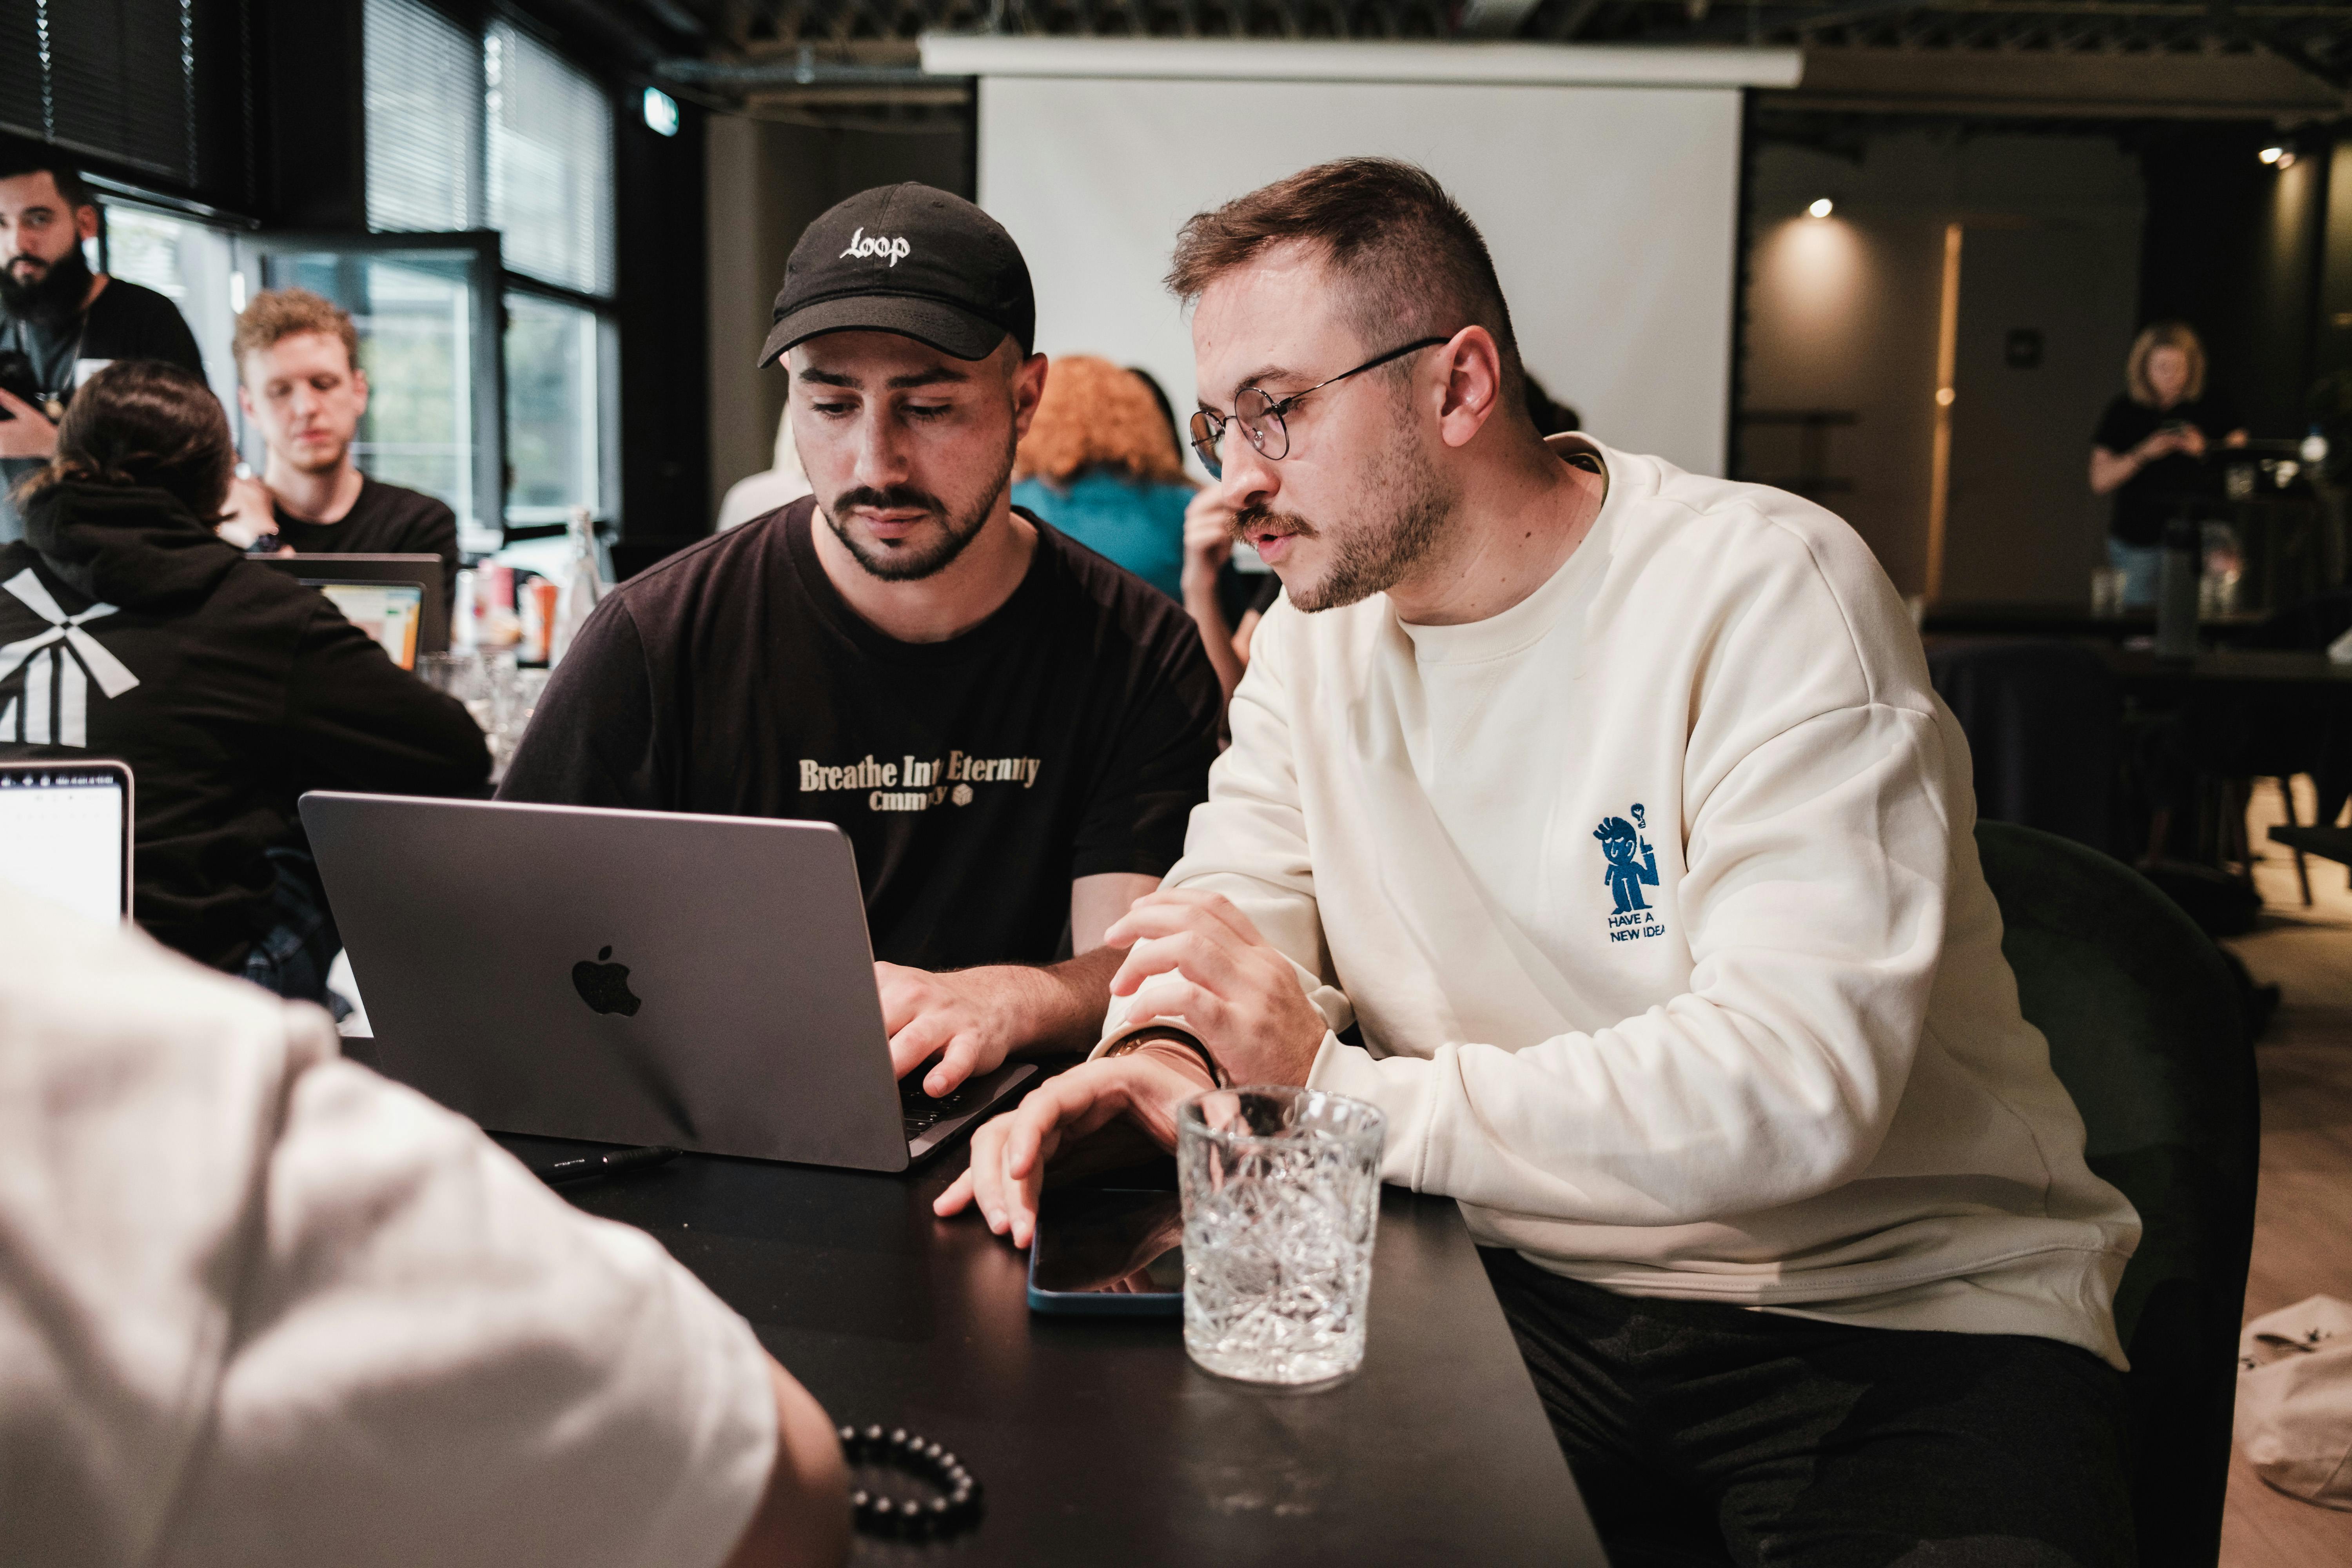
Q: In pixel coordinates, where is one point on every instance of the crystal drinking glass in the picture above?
(1281, 1191)
(462, 674)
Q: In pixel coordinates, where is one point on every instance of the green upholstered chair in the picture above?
(2145, 1031)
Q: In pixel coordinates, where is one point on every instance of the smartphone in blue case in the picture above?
(1108, 1251)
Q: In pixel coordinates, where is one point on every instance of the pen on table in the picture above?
(612, 1163)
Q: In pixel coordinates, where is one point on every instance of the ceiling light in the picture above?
(1822, 207)
(661, 112)
(2272, 154)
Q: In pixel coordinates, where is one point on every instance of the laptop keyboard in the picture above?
(921, 1112)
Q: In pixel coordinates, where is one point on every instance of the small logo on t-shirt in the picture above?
(1629, 865)
(917, 783)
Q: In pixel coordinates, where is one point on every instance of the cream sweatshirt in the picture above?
(261, 1309)
(1656, 899)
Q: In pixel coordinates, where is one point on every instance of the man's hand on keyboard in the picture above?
(969, 1018)
(972, 1019)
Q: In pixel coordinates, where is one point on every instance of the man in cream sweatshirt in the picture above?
(1612, 806)
(261, 1308)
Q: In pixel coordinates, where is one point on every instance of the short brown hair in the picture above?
(1096, 415)
(2165, 335)
(144, 424)
(1413, 264)
(279, 313)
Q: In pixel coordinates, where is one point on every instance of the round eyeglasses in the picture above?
(1260, 416)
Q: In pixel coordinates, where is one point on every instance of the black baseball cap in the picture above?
(909, 259)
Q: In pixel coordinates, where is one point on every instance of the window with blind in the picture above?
(113, 77)
(424, 110)
(494, 129)
(550, 163)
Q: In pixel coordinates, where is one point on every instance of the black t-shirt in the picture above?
(386, 519)
(1067, 735)
(2161, 490)
(125, 322)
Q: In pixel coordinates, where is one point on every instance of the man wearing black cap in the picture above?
(1012, 730)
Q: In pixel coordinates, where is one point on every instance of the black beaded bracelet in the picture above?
(956, 1508)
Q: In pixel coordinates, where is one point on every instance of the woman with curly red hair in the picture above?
(1100, 462)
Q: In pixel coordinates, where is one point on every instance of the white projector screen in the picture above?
(1612, 213)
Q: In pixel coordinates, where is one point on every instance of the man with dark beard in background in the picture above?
(1011, 730)
(60, 323)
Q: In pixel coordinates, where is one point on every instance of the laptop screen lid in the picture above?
(620, 976)
(66, 834)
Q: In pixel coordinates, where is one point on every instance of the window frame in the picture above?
(604, 308)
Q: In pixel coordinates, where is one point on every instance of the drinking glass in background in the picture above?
(2224, 563)
(528, 685)
(2107, 591)
(2238, 482)
(463, 674)
(1281, 1191)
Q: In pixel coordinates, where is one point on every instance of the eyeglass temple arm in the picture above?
(1415, 347)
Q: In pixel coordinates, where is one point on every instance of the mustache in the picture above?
(896, 498)
(1261, 520)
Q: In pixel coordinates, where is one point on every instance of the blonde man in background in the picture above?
(300, 382)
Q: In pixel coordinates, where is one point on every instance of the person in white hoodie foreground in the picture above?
(1612, 806)
(259, 1306)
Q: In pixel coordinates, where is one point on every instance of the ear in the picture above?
(1028, 390)
(245, 399)
(360, 386)
(1471, 364)
(86, 223)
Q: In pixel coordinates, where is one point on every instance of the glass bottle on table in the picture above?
(579, 587)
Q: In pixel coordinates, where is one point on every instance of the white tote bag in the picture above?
(2295, 1400)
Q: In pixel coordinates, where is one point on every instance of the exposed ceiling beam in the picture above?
(2014, 82)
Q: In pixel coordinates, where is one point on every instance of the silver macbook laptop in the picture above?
(627, 977)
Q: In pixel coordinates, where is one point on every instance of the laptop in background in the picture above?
(627, 977)
(65, 834)
(400, 601)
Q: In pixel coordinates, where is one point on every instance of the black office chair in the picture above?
(2145, 1032)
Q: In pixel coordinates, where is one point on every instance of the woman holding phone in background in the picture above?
(2149, 448)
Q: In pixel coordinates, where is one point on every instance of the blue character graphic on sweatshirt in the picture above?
(1620, 841)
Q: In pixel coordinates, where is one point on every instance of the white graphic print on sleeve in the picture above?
(58, 664)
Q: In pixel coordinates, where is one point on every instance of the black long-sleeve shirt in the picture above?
(228, 689)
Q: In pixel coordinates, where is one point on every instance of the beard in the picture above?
(915, 559)
(1402, 517)
(53, 298)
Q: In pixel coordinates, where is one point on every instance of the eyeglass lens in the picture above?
(1254, 412)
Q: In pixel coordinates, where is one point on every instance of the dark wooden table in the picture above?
(2262, 669)
(1097, 1441)
(2060, 619)
(2142, 673)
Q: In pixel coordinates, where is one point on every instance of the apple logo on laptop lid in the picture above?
(605, 986)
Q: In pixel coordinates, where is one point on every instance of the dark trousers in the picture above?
(293, 956)
(1701, 1433)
